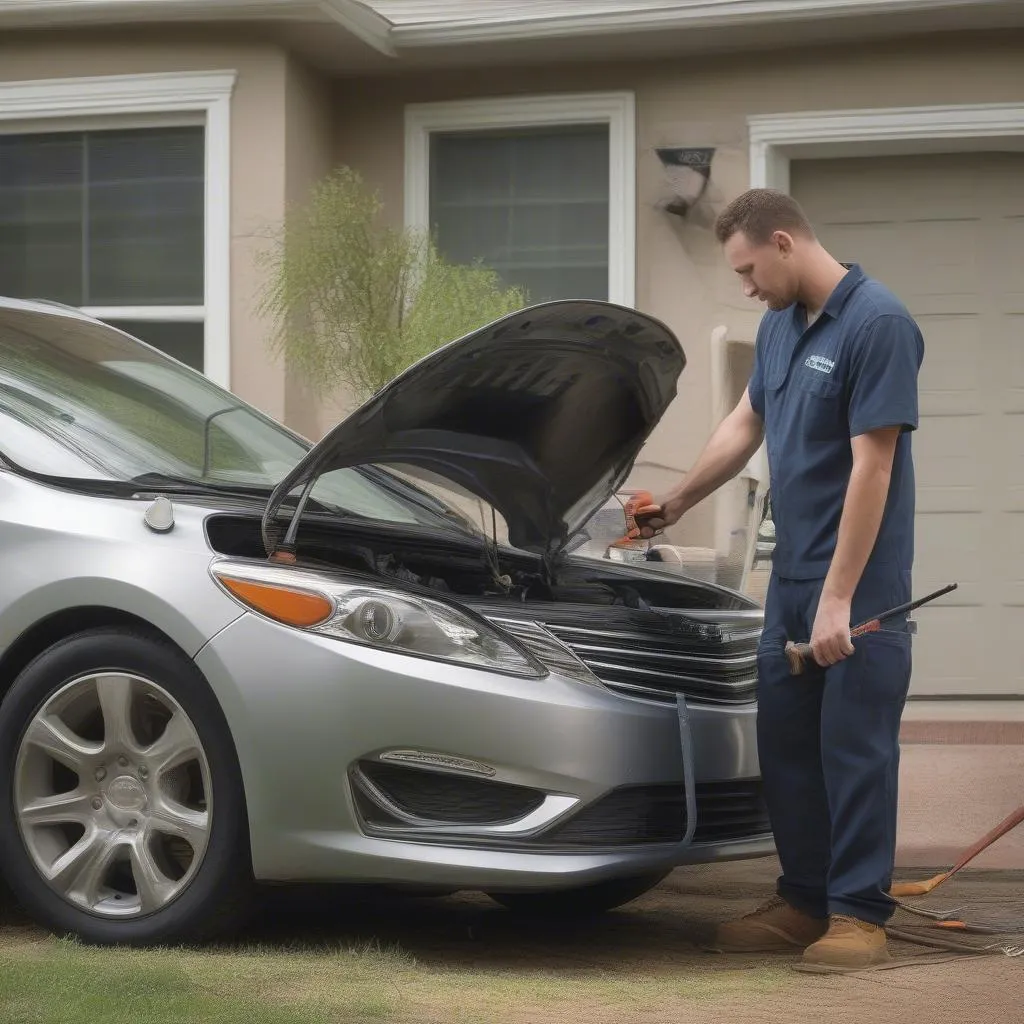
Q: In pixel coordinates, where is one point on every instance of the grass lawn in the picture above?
(44, 980)
(314, 958)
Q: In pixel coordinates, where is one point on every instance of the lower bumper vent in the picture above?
(626, 816)
(409, 796)
(728, 811)
(411, 799)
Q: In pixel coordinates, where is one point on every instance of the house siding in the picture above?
(310, 148)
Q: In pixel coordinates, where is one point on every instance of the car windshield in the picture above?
(81, 401)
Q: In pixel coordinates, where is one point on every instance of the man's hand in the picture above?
(830, 637)
(652, 519)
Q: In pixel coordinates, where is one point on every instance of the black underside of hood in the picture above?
(541, 414)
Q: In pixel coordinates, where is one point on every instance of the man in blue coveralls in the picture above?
(833, 392)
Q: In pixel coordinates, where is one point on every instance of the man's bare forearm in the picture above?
(861, 518)
(730, 448)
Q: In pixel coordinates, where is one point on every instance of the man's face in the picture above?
(768, 272)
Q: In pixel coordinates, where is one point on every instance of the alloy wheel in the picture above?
(112, 795)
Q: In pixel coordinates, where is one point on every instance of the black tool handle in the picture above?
(910, 605)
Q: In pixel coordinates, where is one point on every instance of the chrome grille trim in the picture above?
(739, 665)
(713, 636)
(547, 648)
(714, 662)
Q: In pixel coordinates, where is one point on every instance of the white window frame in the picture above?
(615, 109)
(142, 101)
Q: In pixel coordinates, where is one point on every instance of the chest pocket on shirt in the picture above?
(815, 382)
(820, 398)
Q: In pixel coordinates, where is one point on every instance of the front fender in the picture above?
(100, 554)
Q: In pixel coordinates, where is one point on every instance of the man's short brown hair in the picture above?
(759, 213)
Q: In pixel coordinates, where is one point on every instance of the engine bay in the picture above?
(471, 569)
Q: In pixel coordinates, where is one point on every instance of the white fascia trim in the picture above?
(206, 92)
(775, 139)
(358, 18)
(665, 16)
(616, 109)
(363, 22)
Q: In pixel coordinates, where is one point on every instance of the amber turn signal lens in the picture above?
(295, 607)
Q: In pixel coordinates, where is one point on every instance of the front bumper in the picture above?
(307, 711)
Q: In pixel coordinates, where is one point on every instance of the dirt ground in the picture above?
(659, 936)
(655, 940)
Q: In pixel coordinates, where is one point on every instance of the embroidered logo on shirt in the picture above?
(820, 363)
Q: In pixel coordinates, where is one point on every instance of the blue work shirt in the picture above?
(851, 371)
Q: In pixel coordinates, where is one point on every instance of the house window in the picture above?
(541, 189)
(110, 220)
(531, 203)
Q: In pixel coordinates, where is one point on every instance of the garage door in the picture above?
(946, 233)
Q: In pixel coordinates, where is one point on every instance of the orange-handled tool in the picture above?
(638, 505)
(799, 654)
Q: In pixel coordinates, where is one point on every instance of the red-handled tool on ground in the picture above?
(1011, 821)
(799, 654)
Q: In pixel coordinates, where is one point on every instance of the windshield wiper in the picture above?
(167, 481)
(186, 485)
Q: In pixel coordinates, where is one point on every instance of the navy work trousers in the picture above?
(828, 745)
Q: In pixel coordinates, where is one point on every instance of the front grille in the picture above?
(626, 816)
(438, 797)
(729, 811)
(716, 665)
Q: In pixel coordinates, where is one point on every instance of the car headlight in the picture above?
(376, 616)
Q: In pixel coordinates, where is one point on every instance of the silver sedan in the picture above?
(232, 657)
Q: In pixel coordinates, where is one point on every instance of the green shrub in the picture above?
(355, 301)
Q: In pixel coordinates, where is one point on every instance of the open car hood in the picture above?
(541, 414)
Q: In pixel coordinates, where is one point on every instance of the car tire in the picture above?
(580, 901)
(145, 840)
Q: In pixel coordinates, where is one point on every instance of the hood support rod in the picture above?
(285, 551)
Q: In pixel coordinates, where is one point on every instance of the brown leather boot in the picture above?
(775, 927)
(850, 944)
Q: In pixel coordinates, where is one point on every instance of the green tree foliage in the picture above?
(355, 301)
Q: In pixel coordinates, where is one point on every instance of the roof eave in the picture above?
(709, 14)
(363, 22)
(359, 19)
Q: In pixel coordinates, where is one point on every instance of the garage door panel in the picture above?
(908, 187)
(883, 241)
(949, 249)
(1010, 369)
(1009, 567)
(950, 476)
(951, 375)
(946, 233)
(949, 654)
(952, 655)
(1009, 245)
(1010, 667)
(1011, 465)
(924, 304)
(951, 547)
